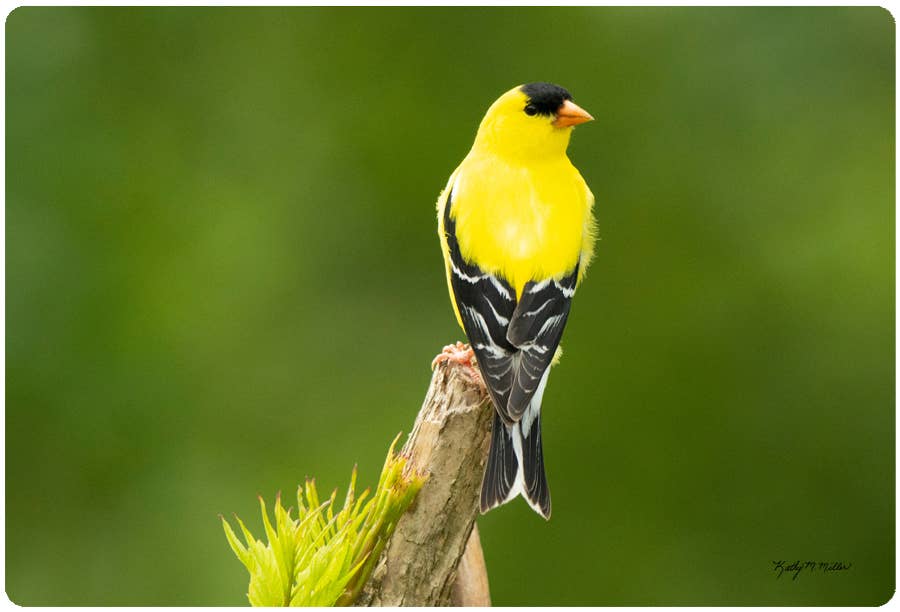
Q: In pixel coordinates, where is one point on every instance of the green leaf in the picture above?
(325, 556)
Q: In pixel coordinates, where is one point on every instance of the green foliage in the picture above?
(323, 558)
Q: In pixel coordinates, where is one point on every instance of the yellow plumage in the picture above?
(517, 234)
(523, 211)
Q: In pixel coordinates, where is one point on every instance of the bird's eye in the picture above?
(530, 110)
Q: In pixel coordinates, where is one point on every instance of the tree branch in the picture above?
(449, 442)
(471, 587)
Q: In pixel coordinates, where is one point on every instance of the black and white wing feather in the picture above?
(514, 342)
(535, 329)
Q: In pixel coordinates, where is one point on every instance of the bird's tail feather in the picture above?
(501, 474)
(535, 480)
(516, 464)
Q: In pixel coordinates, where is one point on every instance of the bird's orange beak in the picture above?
(570, 114)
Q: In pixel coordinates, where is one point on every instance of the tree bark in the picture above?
(421, 564)
(471, 587)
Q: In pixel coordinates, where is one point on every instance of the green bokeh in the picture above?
(223, 275)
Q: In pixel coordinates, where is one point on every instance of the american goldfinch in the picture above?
(517, 233)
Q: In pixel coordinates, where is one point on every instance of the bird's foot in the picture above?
(457, 353)
(463, 355)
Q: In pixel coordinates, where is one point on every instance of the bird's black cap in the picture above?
(546, 98)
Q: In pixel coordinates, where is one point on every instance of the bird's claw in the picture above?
(463, 355)
(457, 353)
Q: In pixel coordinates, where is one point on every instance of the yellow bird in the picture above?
(517, 234)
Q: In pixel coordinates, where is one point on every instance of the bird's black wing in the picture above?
(486, 304)
(535, 329)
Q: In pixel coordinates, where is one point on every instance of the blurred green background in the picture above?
(223, 275)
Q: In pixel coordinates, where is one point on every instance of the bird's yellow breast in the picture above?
(521, 222)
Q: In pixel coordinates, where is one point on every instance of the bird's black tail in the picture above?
(516, 464)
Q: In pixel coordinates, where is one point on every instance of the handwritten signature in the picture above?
(798, 567)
